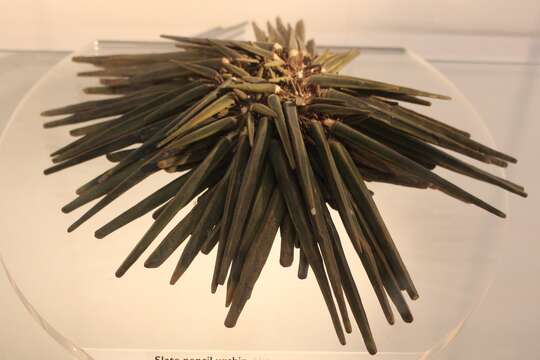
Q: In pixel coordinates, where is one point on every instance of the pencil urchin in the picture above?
(265, 135)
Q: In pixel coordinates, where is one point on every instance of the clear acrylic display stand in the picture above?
(68, 282)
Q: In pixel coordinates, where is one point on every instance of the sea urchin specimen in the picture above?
(266, 135)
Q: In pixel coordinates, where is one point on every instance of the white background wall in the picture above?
(68, 24)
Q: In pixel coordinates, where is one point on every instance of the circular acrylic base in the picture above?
(69, 280)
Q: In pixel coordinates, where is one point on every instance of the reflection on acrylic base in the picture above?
(68, 280)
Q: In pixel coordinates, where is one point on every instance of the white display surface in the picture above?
(69, 279)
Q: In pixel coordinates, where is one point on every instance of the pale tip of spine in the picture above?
(328, 122)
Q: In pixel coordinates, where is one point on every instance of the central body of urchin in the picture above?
(285, 73)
